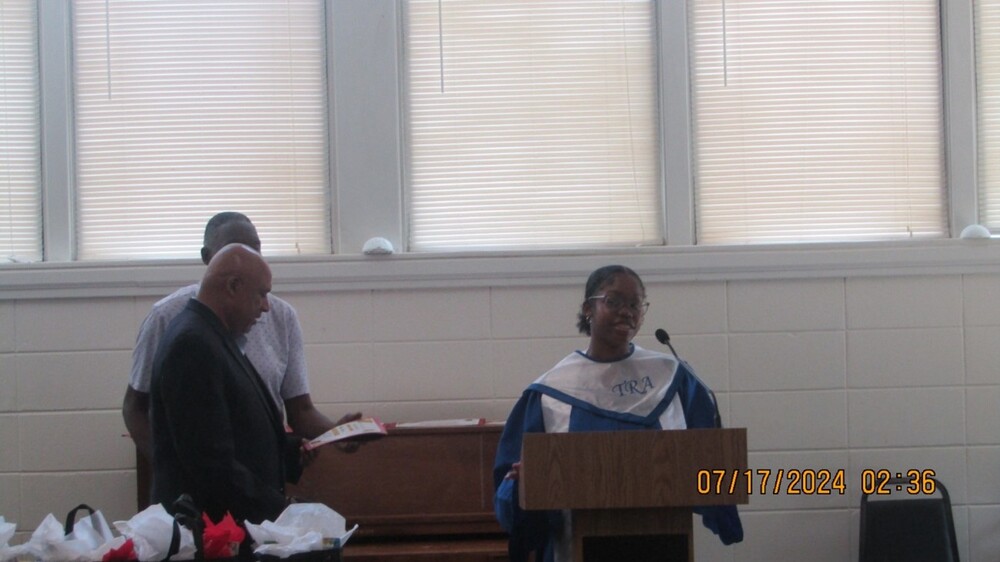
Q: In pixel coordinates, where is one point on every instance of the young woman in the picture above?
(613, 385)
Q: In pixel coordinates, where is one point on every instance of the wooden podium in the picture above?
(631, 492)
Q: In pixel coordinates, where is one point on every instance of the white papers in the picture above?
(365, 428)
(462, 422)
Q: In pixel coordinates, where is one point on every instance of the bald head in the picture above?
(235, 287)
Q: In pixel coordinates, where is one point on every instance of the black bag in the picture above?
(97, 522)
(188, 514)
(71, 517)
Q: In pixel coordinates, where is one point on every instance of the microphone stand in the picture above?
(663, 337)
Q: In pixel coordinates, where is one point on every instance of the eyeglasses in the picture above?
(616, 303)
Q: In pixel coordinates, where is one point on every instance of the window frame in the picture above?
(368, 175)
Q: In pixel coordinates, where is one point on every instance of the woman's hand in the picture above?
(514, 473)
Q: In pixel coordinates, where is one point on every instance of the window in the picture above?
(531, 124)
(20, 143)
(628, 123)
(987, 17)
(185, 109)
(817, 121)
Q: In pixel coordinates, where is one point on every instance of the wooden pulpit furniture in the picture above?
(631, 493)
(418, 494)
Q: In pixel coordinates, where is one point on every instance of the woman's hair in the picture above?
(598, 279)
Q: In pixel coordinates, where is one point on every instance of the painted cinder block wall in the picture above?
(843, 373)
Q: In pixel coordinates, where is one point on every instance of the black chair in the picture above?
(903, 527)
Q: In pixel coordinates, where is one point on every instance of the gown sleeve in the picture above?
(700, 411)
(529, 530)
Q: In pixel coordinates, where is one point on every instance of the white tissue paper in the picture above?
(302, 527)
(90, 539)
(151, 530)
(92, 530)
(6, 533)
(94, 534)
(37, 546)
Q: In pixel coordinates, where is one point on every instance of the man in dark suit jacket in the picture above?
(217, 434)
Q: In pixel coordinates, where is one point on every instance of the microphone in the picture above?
(663, 337)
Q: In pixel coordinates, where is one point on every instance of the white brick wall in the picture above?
(837, 373)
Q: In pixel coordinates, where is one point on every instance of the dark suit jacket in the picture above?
(217, 434)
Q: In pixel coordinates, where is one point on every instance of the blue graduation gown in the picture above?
(645, 390)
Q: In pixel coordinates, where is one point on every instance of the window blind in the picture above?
(187, 108)
(987, 16)
(817, 120)
(531, 124)
(20, 142)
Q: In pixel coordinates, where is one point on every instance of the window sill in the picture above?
(504, 269)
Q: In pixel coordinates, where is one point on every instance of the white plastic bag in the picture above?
(302, 527)
(6, 533)
(151, 531)
(90, 540)
(49, 542)
(91, 533)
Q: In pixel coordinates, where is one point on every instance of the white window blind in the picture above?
(987, 17)
(817, 120)
(185, 109)
(20, 143)
(531, 124)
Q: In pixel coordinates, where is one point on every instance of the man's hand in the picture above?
(348, 446)
(307, 421)
(306, 456)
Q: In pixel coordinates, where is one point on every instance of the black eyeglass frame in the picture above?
(616, 303)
